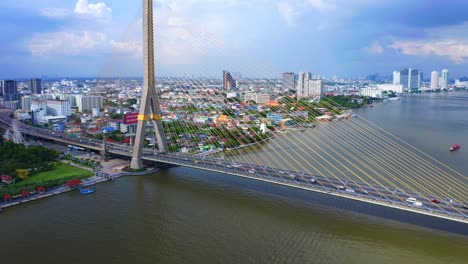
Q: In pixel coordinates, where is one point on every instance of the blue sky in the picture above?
(254, 37)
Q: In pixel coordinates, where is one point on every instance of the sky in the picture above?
(102, 38)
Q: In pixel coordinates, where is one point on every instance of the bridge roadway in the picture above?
(352, 190)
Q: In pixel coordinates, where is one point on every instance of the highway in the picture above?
(338, 187)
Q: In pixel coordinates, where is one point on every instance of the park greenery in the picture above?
(33, 166)
(59, 175)
(20, 162)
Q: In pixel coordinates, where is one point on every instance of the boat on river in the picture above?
(85, 191)
(455, 147)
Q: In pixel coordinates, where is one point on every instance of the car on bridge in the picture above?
(350, 190)
(340, 187)
(435, 201)
(413, 201)
(252, 171)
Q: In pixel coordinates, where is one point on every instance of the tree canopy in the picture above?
(15, 157)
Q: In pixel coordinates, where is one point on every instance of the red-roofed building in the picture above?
(7, 179)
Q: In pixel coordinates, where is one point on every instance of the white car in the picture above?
(411, 200)
(281, 172)
(340, 187)
(350, 190)
(252, 171)
(313, 180)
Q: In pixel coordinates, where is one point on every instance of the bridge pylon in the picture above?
(149, 108)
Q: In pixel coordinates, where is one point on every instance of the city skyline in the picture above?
(103, 39)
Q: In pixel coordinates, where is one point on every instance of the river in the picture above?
(183, 215)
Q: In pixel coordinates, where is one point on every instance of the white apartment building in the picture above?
(434, 80)
(259, 98)
(390, 87)
(59, 108)
(372, 92)
(309, 88)
(26, 102)
(39, 110)
(87, 103)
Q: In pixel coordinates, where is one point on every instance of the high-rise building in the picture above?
(26, 103)
(302, 84)
(309, 88)
(1, 87)
(289, 81)
(87, 103)
(69, 97)
(10, 91)
(315, 88)
(411, 79)
(434, 80)
(396, 78)
(35, 86)
(444, 79)
(228, 82)
(58, 108)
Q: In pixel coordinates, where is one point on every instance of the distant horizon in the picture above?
(350, 39)
(387, 77)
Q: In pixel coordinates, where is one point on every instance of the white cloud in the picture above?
(375, 48)
(287, 12)
(55, 12)
(319, 4)
(83, 9)
(68, 43)
(99, 10)
(456, 50)
(131, 48)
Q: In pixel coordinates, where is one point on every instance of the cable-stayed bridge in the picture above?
(358, 188)
(348, 157)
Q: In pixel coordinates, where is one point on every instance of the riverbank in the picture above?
(110, 170)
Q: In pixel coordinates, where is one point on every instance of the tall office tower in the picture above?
(396, 78)
(9, 91)
(1, 87)
(434, 80)
(411, 79)
(289, 80)
(35, 86)
(444, 79)
(228, 81)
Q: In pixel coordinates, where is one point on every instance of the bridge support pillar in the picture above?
(149, 108)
